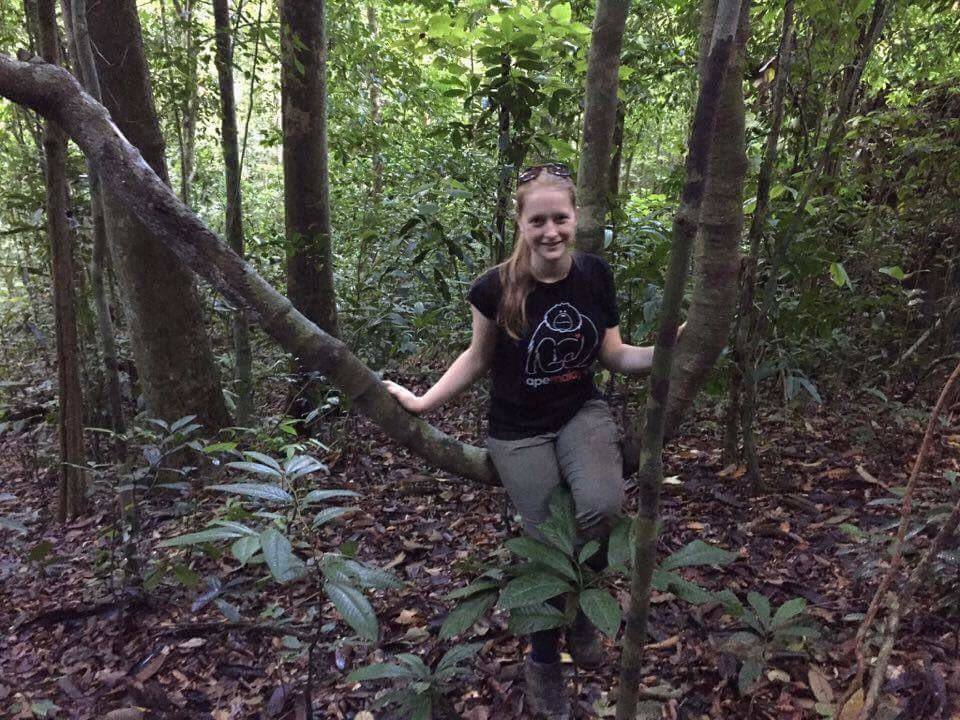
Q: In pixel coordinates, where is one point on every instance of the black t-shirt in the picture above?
(541, 380)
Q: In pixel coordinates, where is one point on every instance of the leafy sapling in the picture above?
(766, 633)
(281, 519)
(422, 691)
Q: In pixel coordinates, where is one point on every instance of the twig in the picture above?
(897, 553)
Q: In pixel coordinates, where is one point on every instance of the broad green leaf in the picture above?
(462, 617)
(419, 707)
(526, 620)
(472, 589)
(379, 671)
(182, 422)
(749, 672)
(321, 495)
(255, 468)
(355, 609)
(372, 577)
(219, 447)
(588, 551)
(416, 665)
(263, 459)
(325, 516)
(277, 551)
(531, 589)
(456, 655)
(789, 611)
(542, 553)
(620, 549)
(602, 609)
(245, 548)
(239, 527)
(839, 275)
(562, 13)
(690, 591)
(740, 643)
(204, 536)
(761, 606)
(269, 493)
(698, 553)
(896, 272)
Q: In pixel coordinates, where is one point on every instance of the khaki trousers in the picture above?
(584, 455)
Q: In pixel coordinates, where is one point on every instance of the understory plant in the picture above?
(421, 694)
(270, 517)
(556, 568)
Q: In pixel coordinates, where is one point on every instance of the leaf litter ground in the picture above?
(73, 645)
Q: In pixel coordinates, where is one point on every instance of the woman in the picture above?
(540, 320)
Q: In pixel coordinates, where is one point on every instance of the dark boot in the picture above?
(546, 691)
(585, 645)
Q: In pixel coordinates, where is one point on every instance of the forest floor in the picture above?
(71, 645)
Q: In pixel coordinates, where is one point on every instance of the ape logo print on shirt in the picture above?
(562, 344)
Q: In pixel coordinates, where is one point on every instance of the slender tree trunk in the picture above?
(75, 12)
(599, 120)
(234, 221)
(504, 157)
(717, 249)
(376, 161)
(303, 46)
(742, 371)
(720, 51)
(616, 163)
(177, 371)
(72, 485)
(188, 134)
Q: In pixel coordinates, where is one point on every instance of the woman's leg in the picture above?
(529, 471)
(588, 451)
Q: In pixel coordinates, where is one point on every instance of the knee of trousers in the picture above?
(596, 521)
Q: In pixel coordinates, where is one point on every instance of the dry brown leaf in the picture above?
(820, 686)
(130, 713)
(852, 709)
(406, 617)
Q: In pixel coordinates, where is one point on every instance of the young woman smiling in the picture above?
(540, 321)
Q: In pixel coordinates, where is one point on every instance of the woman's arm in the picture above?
(465, 370)
(617, 356)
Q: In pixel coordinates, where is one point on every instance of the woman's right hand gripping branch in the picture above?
(465, 370)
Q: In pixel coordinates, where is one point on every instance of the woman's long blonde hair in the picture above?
(516, 273)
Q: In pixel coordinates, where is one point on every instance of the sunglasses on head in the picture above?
(533, 172)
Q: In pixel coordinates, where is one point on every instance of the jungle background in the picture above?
(195, 525)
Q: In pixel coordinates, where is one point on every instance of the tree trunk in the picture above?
(303, 48)
(188, 131)
(234, 211)
(176, 367)
(599, 120)
(72, 484)
(76, 13)
(746, 316)
(721, 49)
(376, 161)
(717, 250)
(504, 157)
(55, 94)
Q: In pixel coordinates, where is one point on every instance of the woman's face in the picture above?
(548, 224)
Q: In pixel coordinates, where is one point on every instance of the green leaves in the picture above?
(602, 610)
(531, 589)
(466, 614)
(562, 13)
(544, 554)
(278, 553)
(204, 536)
(526, 620)
(839, 275)
(698, 552)
(354, 608)
(268, 493)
